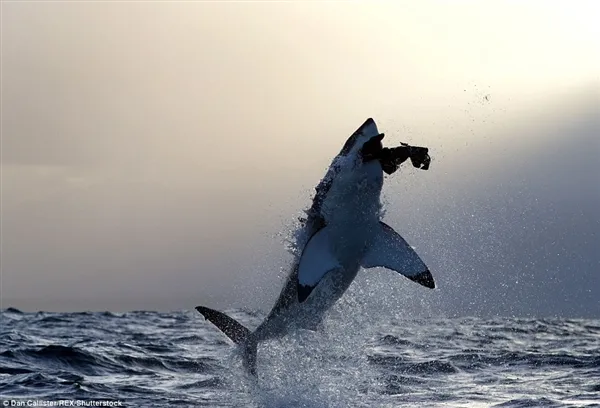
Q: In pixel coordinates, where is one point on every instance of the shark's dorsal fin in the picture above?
(390, 250)
(316, 260)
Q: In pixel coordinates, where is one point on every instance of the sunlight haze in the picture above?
(155, 155)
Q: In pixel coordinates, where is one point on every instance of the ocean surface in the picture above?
(150, 359)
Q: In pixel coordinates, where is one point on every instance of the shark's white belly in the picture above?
(352, 211)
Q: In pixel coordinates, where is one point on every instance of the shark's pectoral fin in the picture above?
(316, 260)
(391, 251)
(304, 292)
(424, 278)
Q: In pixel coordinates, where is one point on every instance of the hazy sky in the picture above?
(156, 154)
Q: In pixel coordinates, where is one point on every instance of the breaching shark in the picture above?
(341, 233)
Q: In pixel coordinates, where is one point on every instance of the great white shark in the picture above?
(341, 233)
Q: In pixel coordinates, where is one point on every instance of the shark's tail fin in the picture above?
(236, 332)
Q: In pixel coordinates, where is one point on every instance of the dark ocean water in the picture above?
(150, 359)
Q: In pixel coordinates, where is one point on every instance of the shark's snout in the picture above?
(362, 135)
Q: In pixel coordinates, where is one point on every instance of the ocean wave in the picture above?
(166, 359)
